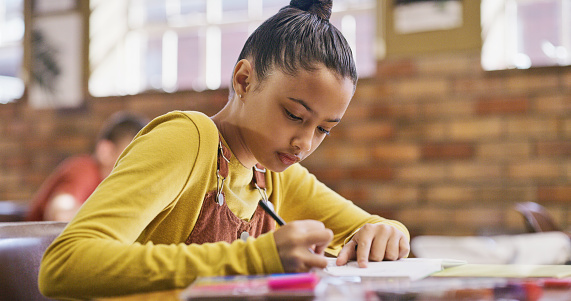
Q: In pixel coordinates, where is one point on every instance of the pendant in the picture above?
(244, 236)
(220, 199)
(270, 205)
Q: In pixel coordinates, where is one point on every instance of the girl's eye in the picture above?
(297, 118)
(291, 116)
(323, 131)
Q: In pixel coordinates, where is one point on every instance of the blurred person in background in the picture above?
(73, 181)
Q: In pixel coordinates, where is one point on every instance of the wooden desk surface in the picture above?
(549, 294)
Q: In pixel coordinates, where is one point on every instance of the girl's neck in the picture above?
(233, 137)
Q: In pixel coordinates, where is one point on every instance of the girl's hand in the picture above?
(374, 242)
(301, 245)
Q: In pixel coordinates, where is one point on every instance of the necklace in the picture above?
(220, 179)
(258, 178)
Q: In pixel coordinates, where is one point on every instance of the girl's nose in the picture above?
(303, 140)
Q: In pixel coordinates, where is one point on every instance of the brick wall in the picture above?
(433, 141)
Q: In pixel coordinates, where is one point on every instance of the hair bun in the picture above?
(321, 8)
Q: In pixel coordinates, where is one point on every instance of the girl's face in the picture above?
(285, 118)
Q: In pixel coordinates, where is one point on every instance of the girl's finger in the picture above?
(348, 252)
(404, 247)
(392, 251)
(364, 239)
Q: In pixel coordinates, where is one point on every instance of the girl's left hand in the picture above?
(375, 242)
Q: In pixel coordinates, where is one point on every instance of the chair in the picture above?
(536, 217)
(22, 245)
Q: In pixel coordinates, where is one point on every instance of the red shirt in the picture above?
(78, 176)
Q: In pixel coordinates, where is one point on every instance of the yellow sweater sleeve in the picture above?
(104, 250)
(302, 196)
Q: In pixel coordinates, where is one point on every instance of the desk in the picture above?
(549, 294)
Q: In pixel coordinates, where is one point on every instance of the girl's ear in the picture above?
(242, 79)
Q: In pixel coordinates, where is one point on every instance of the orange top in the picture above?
(78, 176)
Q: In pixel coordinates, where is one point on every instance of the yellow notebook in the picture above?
(506, 271)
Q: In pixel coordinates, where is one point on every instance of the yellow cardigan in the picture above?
(129, 235)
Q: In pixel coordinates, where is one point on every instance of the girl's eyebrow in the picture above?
(310, 110)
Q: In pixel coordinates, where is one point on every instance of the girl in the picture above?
(182, 200)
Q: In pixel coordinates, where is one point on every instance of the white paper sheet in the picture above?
(413, 268)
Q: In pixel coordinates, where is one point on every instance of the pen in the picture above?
(275, 216)
(272, 213)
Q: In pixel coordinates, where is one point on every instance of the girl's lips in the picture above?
(288, 159)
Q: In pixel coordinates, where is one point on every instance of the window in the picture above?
(526, 33)
(172, 45)
(11, 49)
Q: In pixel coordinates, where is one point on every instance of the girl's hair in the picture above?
(122, 125)
(300, 36)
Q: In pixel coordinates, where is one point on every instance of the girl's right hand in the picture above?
(295, 242)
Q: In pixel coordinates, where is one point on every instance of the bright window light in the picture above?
(172, 45)
(170, 54)
(11, 50)
(525, 33)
